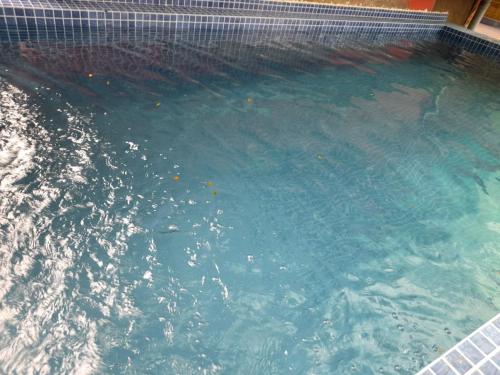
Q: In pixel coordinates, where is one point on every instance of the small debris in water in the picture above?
(176, 178)
(108, 83)
(210, 183)
(173, 228)
(250, 100)
(320, 157)
(90, 75)
(157, 104)
(214, 193)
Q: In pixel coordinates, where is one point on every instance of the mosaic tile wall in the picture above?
(477, 354)
(27, 19)
(471, 42)
(291, 7)
(62, 19)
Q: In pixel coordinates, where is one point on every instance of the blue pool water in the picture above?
(232, 208)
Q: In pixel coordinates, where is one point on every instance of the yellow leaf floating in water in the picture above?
(176, 178)
(210, 183)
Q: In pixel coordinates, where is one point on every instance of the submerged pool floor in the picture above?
(236, 208)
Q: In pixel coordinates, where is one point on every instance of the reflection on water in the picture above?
(244, 205)
(178, 60)
(37, 199)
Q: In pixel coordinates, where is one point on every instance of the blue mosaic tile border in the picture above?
(38, 18)
(151, 8)
(477, 354)
(262, 6)
(470, 41)
(294, 7)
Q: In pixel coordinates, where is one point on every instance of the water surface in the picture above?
(274, 207)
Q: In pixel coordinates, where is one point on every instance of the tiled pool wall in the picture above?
(25, 19)
(470, 41)
(76, 19)
(283, 7)
(477, 354)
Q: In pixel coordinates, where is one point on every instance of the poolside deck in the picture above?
(477, 354)
(490, 31)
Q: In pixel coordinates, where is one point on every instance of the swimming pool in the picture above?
(237, 206)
